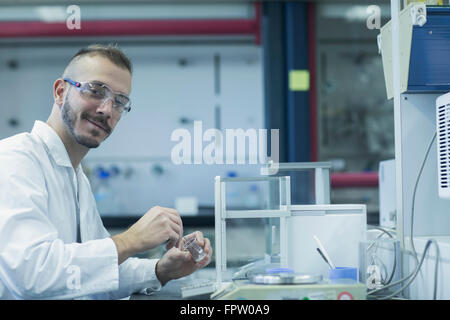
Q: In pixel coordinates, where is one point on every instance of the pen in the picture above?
(324, 252)
(321, 254)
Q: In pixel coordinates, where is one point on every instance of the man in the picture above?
(52, 242)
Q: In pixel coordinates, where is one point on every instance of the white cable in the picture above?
(414, 197)
(383, 232)
(413, 275)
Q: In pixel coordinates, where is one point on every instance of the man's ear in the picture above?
(59, 88)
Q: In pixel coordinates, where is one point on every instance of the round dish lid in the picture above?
(285, 278)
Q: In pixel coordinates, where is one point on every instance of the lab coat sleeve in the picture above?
(135, 274)
(34, 262)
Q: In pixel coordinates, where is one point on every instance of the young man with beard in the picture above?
(52, 242)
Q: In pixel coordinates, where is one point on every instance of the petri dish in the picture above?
(191, 245)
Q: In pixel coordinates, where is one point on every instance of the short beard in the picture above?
(69, 118)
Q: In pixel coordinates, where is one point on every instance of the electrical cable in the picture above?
(394, 267)
(412, 215)
(384, 230)
(414, 197)
(413, 275)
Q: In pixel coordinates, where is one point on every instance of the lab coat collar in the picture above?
(53, 142)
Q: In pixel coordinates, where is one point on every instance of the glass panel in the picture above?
(253, 207)
(252, 246)
(255, 194)
(302, 180)
(302, 186)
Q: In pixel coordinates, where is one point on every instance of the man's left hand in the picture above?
(177, 263)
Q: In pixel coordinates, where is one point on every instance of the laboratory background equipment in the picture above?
(346, 290)
(338, 273)
(355, 131)
(386, 186)
(413, 46)
(341, 227)
(380, 263)
(443, 144)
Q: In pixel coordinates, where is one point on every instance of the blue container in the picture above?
(344, 273)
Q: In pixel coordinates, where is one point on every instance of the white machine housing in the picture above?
(443, 144)
(387, 192)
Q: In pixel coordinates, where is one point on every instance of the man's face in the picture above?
(91, 122)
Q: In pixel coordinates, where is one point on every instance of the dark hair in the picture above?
(110, 51)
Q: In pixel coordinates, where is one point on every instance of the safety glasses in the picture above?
(100, 93)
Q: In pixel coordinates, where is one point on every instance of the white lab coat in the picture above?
(39, 255)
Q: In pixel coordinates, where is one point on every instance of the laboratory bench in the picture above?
(172, 290)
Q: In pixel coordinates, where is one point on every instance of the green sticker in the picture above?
(299, 80)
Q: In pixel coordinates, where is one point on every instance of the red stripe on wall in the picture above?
(351, 179)
(17, 29)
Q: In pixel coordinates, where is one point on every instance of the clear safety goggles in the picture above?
(100, 92)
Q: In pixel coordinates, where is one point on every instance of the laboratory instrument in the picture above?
(345, 290)
(413, 46)
(380, 263)
(341, 227)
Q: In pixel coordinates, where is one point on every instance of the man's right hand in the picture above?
(154, 228)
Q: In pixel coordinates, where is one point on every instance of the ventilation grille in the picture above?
(443, 133)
